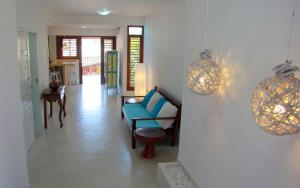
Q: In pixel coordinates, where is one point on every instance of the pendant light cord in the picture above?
(206, 26)
(291, 32)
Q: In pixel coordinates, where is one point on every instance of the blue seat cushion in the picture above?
(137, 110)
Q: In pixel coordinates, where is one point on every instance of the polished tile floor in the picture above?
(92, 150)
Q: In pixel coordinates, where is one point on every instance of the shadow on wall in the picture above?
(232, 77)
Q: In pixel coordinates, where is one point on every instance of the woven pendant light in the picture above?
(204, 75)
(276, 102)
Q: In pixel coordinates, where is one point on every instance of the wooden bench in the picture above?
(171, 132)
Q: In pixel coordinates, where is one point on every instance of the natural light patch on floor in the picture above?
(91, 92)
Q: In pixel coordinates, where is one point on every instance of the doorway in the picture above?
(29, 84)
(90, 51)
(91, 60)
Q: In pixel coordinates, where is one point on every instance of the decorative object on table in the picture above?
(140, 79)
(53, 85)
(276, 102)
(112, 69)
(204, 75)
(55, 75)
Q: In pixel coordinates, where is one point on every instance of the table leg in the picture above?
(51, 109)
(60, 112)
(66, 75)
(45, 114)
(64, 105)
(149, 151)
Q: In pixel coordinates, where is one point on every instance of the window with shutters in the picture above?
(135, 52)
(69, 47)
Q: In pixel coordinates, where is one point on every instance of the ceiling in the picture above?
(118, 7)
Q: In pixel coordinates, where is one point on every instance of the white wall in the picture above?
(122, 47)
(53, 30)
(104, 21)
(52, 47)
(220, 145)
(33, 17)
(164, 48)
(13, 167)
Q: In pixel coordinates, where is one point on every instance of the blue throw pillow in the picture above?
(158, 106)
(148, 97)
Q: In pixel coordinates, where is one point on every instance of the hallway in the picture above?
(92, 150)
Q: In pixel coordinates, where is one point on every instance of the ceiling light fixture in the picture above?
(104, 12)
(83, 27)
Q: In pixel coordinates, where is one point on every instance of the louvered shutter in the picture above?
(135, 56)
(135, 53)
(108, 46)
(69, 47)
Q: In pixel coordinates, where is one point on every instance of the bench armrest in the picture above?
(134, 120)
(156, 118)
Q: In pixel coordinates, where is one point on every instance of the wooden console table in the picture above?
(53, 96)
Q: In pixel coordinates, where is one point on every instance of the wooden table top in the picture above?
(48, 91)
(62, 64)
(148, 134)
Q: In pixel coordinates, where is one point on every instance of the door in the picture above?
(36, 102)
(107, 44)
(26, 86)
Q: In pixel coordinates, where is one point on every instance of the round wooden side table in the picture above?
(149, 136)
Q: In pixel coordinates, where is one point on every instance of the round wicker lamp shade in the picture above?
(276, 102)
(204, 75)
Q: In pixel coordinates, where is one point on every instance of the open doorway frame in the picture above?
(107, 43)
(29, 86)
(91, 59)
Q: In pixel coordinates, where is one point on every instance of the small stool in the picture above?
(149, 136)
(55, 75)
